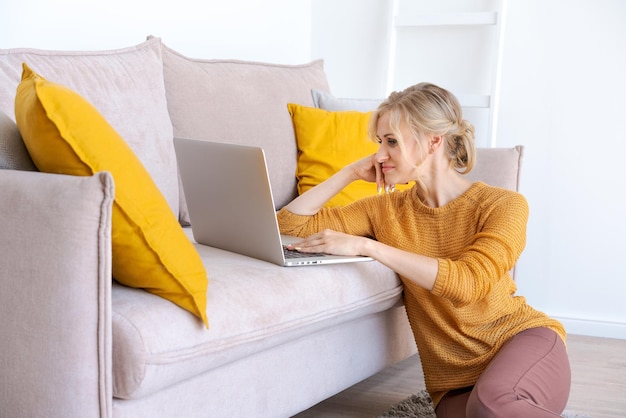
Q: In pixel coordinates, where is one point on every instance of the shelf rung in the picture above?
(443, 19)
(474, 100)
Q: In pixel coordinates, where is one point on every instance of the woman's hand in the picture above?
(310, 202)
(368, 169)
(414, 267)
(330, 242)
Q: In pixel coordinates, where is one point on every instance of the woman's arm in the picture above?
(492, 253)
(416, 268)
(464, 278)
(310, 202)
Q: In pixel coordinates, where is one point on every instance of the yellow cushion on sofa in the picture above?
(328, 141)
(65, 134)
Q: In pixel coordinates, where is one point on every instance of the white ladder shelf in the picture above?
(424, 27)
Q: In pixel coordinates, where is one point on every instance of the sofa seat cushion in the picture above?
(125, 85)
(253, 306)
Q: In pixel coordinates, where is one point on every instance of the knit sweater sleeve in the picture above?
(352, 219)
(490, 254)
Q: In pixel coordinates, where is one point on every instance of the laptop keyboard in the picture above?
(297, 254)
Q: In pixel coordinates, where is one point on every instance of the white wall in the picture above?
(563, 92)
(563, 88)
(271, 30)
(351, 37)
(562, 96)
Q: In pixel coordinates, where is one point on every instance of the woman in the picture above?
(484, 351)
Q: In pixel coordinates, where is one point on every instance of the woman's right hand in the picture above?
(368, 169)
(311, 201)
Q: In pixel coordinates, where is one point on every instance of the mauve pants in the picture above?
(529, 377)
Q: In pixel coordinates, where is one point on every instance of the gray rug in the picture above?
(420, 406)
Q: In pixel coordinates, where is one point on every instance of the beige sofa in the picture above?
(77, 344)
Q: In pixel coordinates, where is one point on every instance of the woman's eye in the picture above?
(390, 142)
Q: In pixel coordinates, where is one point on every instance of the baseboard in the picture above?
(593, 328)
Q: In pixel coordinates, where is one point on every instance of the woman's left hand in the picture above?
(330, 242)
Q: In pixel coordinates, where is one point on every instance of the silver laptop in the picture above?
(230, 203)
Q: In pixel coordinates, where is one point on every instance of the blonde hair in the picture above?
(430, 109)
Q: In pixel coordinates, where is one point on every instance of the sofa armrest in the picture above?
(55, 298)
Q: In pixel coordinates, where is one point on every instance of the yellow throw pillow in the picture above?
(65, 134)
(328, 141)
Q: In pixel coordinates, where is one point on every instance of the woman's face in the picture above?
(397, 167)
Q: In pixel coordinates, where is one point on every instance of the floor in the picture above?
(598, 384)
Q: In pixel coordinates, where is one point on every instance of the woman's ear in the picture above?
(434, 143)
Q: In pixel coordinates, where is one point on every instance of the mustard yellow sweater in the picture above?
(471, 312)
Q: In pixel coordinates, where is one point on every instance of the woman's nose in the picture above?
(381, 155)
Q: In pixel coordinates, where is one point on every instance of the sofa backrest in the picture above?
(125, 85)
(150, 93)
(242, 102)
(500, 167)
